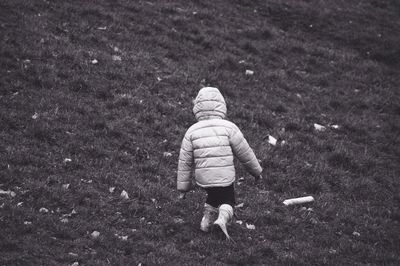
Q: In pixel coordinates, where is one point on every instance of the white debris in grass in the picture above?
(94, 61)
(239, 222)
(116, 58)
(43, 210)
(357, 234)
(335, 126)
(64, 220)
(95, 234)
(67, 160)
(72, 254)
(123, 238)
(124, 195)
(240, 205)
(102, 28)
(249, 72)
(167, 154)
(75, 263)
(250, 226)
(111, 189)
(8, 192)
(27, 223)
(319, 127)
(19, 204)
(272, 140)
(65, 186)
(35, 116)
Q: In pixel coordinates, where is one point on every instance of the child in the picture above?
(211, 144)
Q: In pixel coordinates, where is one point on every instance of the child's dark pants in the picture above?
(220, 195)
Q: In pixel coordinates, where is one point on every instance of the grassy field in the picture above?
(95, 97)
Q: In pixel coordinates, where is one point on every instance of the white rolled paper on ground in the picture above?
(301, 200)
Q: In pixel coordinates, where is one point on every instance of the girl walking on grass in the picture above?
(210, 145)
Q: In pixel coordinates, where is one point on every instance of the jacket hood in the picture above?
(209, 104)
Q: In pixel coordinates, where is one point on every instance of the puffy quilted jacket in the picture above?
(211, 144)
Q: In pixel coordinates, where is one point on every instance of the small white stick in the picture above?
(298, 200)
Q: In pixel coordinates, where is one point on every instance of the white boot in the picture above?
(225, 215)
(209, 213)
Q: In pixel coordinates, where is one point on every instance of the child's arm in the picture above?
(244, 153)
(185, 165)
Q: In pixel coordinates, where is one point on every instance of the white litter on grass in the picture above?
(239, 222)
(75, 263)
(35, 116)
(240, 205)
(357, 234)
(64, 220)
(111, 189)
(65, 186)
(250, 226)
(319, 127)
(123, 238)
(72, 254)
(283, 142)
(116, 58)
(95, 234)
(298, 200)
(27, 223)
(19, 204)
(167, 154)
(94, 61)
(242, 62)
(67, 160)
(335, 126)
(8, 192)
(102, 28)
(249, 72)
(124, 195)
(43, 210)
(272, 140)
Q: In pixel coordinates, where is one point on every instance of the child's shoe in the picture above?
(225, 215)
(209, 213)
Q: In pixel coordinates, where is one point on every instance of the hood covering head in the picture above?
(209, 104)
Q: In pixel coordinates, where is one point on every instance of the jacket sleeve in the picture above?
(244, 153)
(185, 165)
